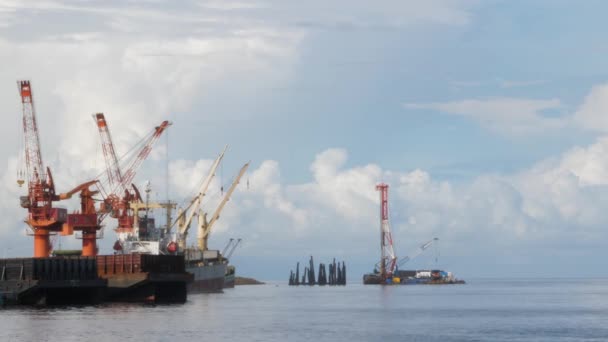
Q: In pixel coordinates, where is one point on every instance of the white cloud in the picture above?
(593, 113)
(508, 115)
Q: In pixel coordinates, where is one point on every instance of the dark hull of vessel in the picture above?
(66, 280)
(207, 278)
(50, 281)
(144, 278)
(230, 278)
(229, 281)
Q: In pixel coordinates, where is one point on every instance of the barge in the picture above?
(78, 280)
(412, 277)
(51, 281)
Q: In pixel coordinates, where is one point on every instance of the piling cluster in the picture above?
(336, 275)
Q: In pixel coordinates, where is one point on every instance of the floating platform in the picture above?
(51, 281)
(413, 277)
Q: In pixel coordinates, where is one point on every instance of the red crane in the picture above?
(43, 219)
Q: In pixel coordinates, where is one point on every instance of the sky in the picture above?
(486, 118)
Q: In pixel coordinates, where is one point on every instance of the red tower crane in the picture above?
(388, 260)
(43, 219)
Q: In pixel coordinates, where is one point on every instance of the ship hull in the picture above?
(207, 278)
(145, 278)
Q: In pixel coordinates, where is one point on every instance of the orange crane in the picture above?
(119, 182)
(89, 220)
(43, 219)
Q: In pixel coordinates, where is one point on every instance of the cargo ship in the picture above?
(207, 268)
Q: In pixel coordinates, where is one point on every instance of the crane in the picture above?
(204, 226)
(419, 251)
(43, 219)
(184, 217)
(119, 182)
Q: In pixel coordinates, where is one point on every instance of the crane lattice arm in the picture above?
(185, 216)
(121, 191)
(419, 251)
(112, 166)
(129, 173)
(33, 156)
(204, 227)
(229, 255)
(227, 246)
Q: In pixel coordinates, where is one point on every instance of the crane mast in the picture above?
(204, 227)
(388, 259)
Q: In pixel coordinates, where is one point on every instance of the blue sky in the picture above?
(485, 117)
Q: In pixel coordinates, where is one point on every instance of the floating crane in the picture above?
(185, 216)
(204, 226)
(43, 219)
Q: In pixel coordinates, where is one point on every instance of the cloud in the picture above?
(555, 200)
(519, 116)
(592, 113)
(511, 116)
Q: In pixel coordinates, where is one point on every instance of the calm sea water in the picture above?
(482, 310)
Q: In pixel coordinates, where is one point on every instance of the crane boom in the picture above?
(204, 227)
(129, 174)
(33, 156)
(419, 251)
(229, 255)
(184, 222)
(112, 167)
